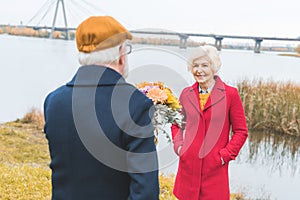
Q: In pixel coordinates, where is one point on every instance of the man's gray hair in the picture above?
(106, 56)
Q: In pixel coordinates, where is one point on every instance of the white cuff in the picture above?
(179, 149)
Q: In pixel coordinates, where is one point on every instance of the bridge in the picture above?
(218, 38)
(183, 37)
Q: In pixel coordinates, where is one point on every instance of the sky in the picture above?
(268, 18)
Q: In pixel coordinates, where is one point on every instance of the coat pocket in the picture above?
(212, 162)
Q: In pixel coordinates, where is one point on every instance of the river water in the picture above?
(268, 166)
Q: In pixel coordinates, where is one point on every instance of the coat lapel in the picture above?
(193, 96)
(217, 94)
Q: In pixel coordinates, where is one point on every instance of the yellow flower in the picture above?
(157, 95)
(159, 84)
(172, 100)
(143, 84)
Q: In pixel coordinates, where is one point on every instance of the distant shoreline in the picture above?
(290, 54)
(138, 39)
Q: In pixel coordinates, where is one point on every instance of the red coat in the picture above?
(205, 138)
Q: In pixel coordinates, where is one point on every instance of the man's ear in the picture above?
(122, 58)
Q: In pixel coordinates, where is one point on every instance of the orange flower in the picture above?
(157, 95)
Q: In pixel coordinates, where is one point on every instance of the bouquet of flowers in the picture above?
(167, 107)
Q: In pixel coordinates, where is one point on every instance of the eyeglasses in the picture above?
(128, 48)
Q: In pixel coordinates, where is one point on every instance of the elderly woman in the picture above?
(211, 109)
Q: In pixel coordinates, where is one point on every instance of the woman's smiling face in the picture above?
(202, 71)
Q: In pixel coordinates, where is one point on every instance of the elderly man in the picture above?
(98, 126)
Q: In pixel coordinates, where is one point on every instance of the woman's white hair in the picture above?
(208, 52)
(106, 56)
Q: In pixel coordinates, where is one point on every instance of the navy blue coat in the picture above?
(101, 139)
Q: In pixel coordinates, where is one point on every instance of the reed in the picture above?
(297, 49)
(271, 107)
(35, 117)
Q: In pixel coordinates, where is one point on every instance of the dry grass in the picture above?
(35, 117)
(290, 54)
(271, 107)
(23, 143)
(297, 49)
(24, 160)
(166, 187)
(22, 181)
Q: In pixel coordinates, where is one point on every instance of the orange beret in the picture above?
(100, 32)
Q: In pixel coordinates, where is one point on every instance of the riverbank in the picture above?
(290, 54)
(24, 162)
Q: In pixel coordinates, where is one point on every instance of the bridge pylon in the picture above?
(183, 41)
(218, 42)
(55, 16)
(257, 45)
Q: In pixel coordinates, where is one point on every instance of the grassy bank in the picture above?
(271, 107)
(24, 172)
(24, 162)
